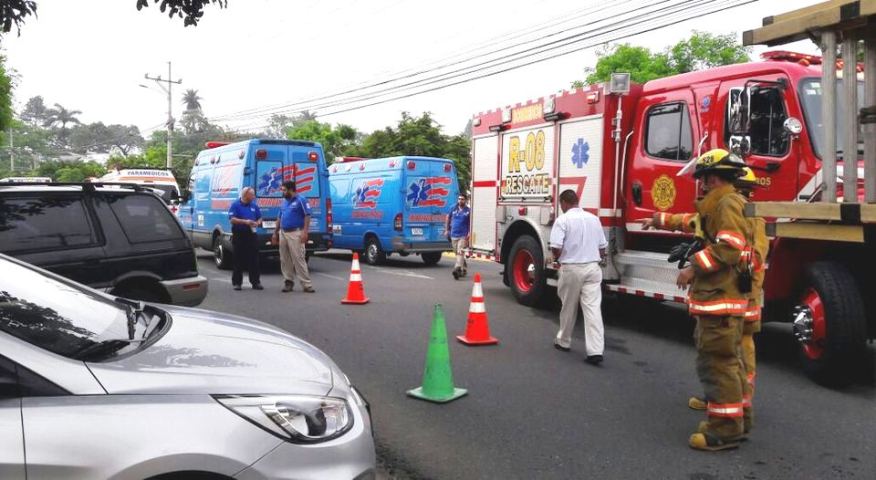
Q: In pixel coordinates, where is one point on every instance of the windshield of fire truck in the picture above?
(810, 98)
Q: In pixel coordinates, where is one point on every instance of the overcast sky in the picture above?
(92, 55)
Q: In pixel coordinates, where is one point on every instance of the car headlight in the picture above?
(296, 418)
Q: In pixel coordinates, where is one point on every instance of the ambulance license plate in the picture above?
(269, 224)
(417, 232)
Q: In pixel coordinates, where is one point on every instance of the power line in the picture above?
(422, 70)
(505, 59)
(703, 8)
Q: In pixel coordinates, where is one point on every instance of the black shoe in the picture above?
(258, 286)
(561, 348)
(456, 274)
(288, 287)
(594, 359)
(236, 287)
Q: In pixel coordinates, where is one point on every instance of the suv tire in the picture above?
(221, 253)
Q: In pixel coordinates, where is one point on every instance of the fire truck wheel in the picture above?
(830, 324)
(526, 271)
(374, 254)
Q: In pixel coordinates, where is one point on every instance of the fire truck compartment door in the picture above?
(527, 164)
(484, 193)
(581, 159)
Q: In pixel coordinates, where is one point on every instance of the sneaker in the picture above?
(288, 287)
(593, 359)
(309, 290)
(258, 286)
(236, 287)
(561, 348)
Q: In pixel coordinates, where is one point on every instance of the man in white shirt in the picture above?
(578, 244)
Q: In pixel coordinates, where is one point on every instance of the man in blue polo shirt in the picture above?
(458, 227)
(292, 228)
(245, 219)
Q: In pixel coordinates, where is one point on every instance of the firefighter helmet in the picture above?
(748, 179)
(719, 161)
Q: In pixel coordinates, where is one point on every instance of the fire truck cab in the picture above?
(621, 148)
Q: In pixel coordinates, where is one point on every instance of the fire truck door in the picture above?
(772, 150)
(485, 172)
(666, 138)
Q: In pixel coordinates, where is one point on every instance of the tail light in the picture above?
(412, 165)
(313, 156)
(447, 167)
(261, 154)
(329, 219)
(397, 224)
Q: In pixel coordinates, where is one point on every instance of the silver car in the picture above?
(93, 386)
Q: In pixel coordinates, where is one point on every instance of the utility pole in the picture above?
(169, 89)
(11, 152)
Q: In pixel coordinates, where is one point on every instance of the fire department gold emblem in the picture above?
(663, 192)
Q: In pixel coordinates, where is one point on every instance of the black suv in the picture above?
(120, 238)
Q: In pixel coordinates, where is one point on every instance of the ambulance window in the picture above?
(668, 132)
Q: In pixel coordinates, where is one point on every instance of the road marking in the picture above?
(401, 273)
(329, 276)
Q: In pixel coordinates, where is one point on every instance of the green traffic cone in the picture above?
(437, 376)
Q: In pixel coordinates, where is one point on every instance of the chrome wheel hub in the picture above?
(803, 324)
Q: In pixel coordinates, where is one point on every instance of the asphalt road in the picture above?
(533, 412)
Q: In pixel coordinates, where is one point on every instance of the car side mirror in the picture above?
(792, 126)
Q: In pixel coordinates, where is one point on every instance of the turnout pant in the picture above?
(245, 257)
(722, 373)
(459, 245)
(293, 259)
(581, 284)
(749, 360)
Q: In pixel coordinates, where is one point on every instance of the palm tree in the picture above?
(61, 116)
(191, 100)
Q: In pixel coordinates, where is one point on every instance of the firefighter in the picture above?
(686, 222)
(720, 289)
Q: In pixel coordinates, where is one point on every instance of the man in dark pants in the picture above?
(245, 219)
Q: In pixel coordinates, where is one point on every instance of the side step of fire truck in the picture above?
(646, 274)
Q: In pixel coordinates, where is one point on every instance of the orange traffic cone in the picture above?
(355, 289)
(477, 330)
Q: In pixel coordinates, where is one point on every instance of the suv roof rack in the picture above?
(88, 186)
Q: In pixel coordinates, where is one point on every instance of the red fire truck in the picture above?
(621, 147)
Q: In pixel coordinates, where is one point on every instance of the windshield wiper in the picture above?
(133, 310)
(104, 348)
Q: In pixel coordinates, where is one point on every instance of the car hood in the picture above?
(213, 353)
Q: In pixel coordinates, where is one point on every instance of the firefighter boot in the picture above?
(719, 366)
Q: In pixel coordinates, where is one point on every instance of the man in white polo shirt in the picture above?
(578, 244)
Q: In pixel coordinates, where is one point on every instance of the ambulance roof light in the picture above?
(215, 144)
(350, 159)
(801, 58)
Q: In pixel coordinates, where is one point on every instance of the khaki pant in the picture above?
(459, 246)
(292, 258)
(722, 373)
(581, 284)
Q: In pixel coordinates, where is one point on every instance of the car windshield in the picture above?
(60, 316)
(810, 97)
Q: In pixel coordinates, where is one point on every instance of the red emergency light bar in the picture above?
(802, 59)
(350, 159)
(210, 145)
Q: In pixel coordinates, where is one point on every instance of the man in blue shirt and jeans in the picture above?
(245, 219)
(292, 228)
(458, 227)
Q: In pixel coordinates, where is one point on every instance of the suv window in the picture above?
(144, 218)
(668, 132)
(31, 223)
(766, 132)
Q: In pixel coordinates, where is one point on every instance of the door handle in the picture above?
(637, 193)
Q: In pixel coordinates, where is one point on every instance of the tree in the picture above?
(61, 116)
(6, 86)
(191, 100)
(14, 12)
(701, 51)
(70, 171)
(418, 136)
(334, 140)
(97, 137)
(35, 111)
